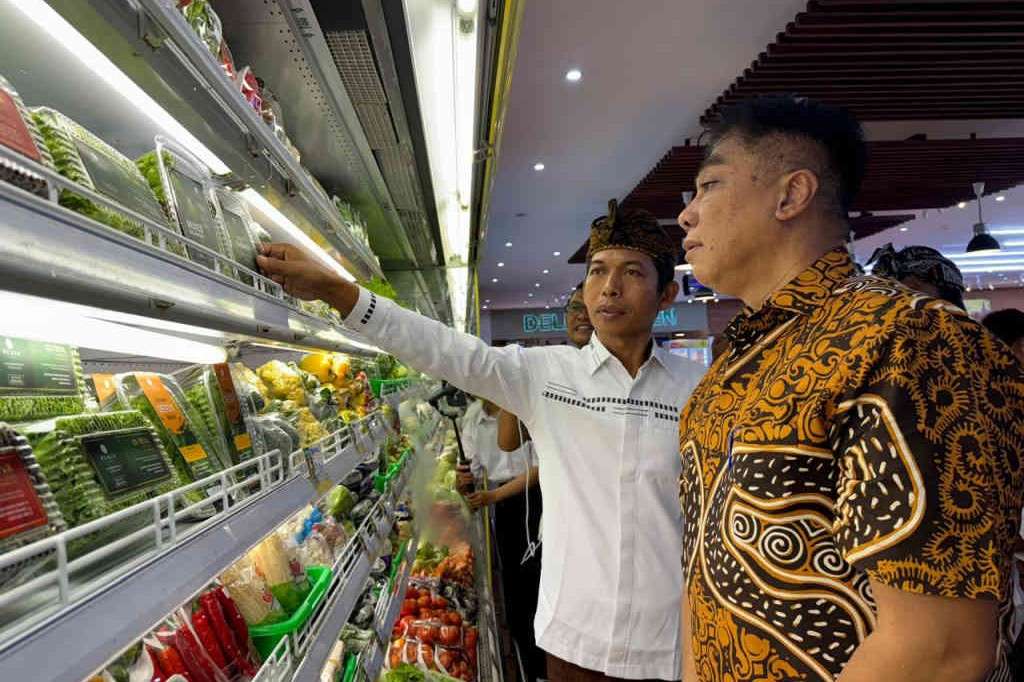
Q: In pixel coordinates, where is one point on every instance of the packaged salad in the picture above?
(87, 160)
(210, 389)
(39, 379)
(18, 132)
(244, 232)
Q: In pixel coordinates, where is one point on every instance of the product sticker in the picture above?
(13, 131)
(162, 401)
(243, 441)
(36, 367)
(192, 453)
(105, 387)
(126, 460)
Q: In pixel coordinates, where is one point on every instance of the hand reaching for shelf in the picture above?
(305, 278)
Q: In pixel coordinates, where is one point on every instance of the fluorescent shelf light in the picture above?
(43, 319)
(80, 48)
(1008, 231)
(264, 206)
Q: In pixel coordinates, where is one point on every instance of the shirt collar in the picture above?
(801, 296)
(599, 354)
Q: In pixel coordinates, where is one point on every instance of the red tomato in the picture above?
(450, 635)
(439, 602)
(427, 656)
(423, 602)
(409, 655)
(452, 618)
(471, 637)
(408, 607)
(446, 659)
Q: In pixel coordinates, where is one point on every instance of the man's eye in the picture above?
(705, 185)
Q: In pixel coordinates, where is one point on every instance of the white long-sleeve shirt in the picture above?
(480, 440)
(609, 475)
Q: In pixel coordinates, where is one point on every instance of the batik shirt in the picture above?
(855, 430)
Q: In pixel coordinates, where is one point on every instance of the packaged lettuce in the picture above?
(243, 231)
(204, 21)
(211, 391)
(193, 450)
(28, 509)
(187, 193)
(19, 133)
(97, 464)
(39, 380)
(84, 158)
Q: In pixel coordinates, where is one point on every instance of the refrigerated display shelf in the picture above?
(91, 623)
(47, 250)
(301, 656)
(154, 45)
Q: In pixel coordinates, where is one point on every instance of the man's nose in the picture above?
(689, 216)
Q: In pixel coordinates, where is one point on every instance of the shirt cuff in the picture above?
(367, 314)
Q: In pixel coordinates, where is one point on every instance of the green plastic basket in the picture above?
(382, 481)
(378, 385)
(266, 637)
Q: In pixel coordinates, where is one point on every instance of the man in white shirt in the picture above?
(604, 421)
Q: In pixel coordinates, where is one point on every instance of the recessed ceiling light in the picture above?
(962, 204)
(494, 280)
(547, 307)
(530, 294)
(500, 264)
(556, 253)
(484, 307)
(537, 284)
(546, 271)
(1000, 198)
(902, 229)
(508, 244)
(573, 75)
(538, 166)
(487, 300)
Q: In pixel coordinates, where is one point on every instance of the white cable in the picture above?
(531, 546)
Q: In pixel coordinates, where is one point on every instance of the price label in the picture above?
(126, 460)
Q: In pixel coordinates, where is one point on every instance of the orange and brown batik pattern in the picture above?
(855, 430)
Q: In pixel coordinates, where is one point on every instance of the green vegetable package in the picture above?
(39, 380)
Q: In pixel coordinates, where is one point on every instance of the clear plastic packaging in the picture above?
(244, 232)
(211, 391)
(248, 588)
(189, 196)
(87, 160)
(39, 380)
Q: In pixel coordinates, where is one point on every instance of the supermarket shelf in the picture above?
(124, 604)
(313, 643)
(47, 250)
(387, 615)
(489, 661)
(154, 45)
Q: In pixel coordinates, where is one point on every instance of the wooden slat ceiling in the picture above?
(888, 60)
(903, 175)
(893, 60)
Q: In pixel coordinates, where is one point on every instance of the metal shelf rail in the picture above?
(162, 557)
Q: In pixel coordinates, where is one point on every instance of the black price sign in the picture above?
(126, 460)
(36, 367)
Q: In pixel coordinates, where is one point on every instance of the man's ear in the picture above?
(796, 192)
(668, 295)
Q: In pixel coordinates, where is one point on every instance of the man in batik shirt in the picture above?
(851, 481)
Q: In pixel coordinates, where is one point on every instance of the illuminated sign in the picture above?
(547, 323)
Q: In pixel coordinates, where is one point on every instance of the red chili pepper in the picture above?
(208, 638)
(170, 662)
(236, 621)
(208, 603)
(199, 667)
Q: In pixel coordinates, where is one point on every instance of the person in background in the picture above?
(923, 269)
(1008, 326)
(852, 473)
(520, 515)
(604, 421)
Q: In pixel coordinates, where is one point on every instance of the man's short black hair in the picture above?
(1007, 325)
(837, 134)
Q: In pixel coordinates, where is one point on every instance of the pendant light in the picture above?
(982, 242)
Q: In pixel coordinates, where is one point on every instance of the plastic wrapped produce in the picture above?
(242, 230)
(28, 509)
(39, 380)
(288, 583)
(194, 451)
(87, 160)
(19, 133)
(188, 196)
(211, 391)
(205, 22)
(248, 589)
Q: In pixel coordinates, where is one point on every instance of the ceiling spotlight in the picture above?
(573, 75)
(982, 241)
(1001, 198)
(556, 254)
(530, 294)
(547, 307)
(494, 280)
(508, 244)
(902, 229)
(546, 271)
(538, 166)
(962, 204)
(487, 300)
(484, 307)
(500, 264)
(537, 284)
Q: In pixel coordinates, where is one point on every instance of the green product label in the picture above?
(195, 216)
(241, 244)
(36, 367)
(123, 184)
(126, 460)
